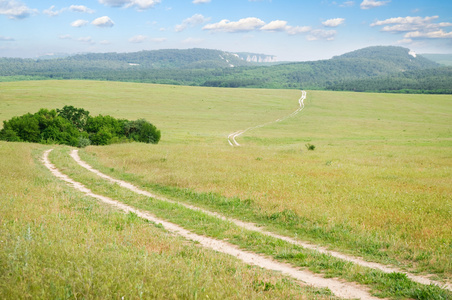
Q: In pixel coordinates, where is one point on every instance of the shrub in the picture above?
(310, 147)
(25, 127)
(142, 131)
(9, 136)
(83, 142)
(101, 137)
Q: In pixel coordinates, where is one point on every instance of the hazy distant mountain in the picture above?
(443, 59)
(393, 58)
(225, 69)
(168, 59)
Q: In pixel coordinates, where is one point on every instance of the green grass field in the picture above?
(377, 185)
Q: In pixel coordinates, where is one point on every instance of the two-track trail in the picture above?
(232, 137)
(252, 227)
(339, 288)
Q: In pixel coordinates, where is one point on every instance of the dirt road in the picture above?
(232, 137)
(339, 288)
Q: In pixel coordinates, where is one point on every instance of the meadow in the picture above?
(377, 185)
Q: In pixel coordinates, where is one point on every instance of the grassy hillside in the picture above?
(378, 183)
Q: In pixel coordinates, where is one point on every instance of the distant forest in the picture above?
(372, 69)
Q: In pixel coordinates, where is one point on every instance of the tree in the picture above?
(77, 116)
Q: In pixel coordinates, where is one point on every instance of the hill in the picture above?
(430, 81)
(443, 59)
(203, 67)
(366, 63)
(167, 59)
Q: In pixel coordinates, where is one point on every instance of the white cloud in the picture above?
(76, 8)
(246, 24)
(79, 23)
(140, 4)
(65, 37)
(200, 1)
(114, 3)
(415, 27)
(405, 20)
(51, 12)
(333, 22)
(321, 34)
(103, 22)
(81, 9)
(367, 4)
(86, 40)
(298, 29)
(401, 24)
(194, 20)
(105, 42)
(277, 25)
(15, 9)
(138, 39)
(6, 39)
(347, 4)
(439, 34)
(251, 24)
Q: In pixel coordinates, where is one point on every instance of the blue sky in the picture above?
(296, 30)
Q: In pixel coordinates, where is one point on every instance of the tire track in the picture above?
(232, 137)
(340, 289)
(249, 226)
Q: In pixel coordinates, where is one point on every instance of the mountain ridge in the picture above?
(216, 68)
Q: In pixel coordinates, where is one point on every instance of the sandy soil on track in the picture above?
(232, 137)
(252, 227)
(340, 289)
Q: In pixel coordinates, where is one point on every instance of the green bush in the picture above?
(142, 131)
(73, 126)
(9, 136)
(310, 147)
(83, 142)
(26, 128)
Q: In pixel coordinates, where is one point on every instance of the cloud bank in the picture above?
(333, 22)
(194, 20)
(415, 27)
(368, 4)
(15, 10)
(256, 24)
(139, 4)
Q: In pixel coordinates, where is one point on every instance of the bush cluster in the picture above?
(75, 127)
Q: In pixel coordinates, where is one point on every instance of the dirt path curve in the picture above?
(232, 137)
(340, 289)
(252, 227)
